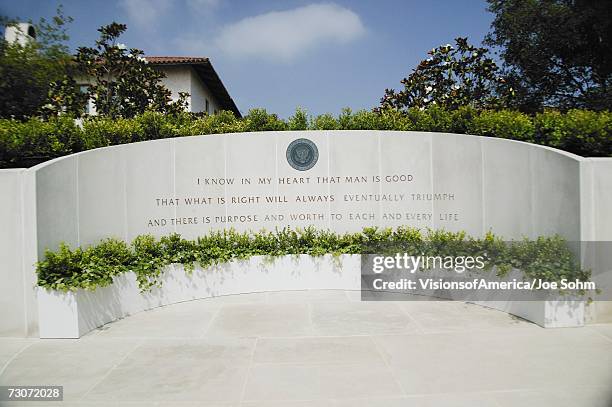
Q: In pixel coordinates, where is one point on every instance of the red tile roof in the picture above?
(176, 60)
(207, 73)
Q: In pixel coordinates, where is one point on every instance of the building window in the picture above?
(207, 107)
(85, 89)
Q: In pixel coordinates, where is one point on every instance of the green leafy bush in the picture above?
(261, 120)
(546, 258)
(503, 124)
(432, 119)
(587, 133)
(324, 122)
(299, 121)
(104, 131)
(63, 270)
(581, 132)
(550, 128)
(40, 139)
(222, 122)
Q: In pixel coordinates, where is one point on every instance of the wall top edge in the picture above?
(7, 170)
(483, 139)
(606, 159)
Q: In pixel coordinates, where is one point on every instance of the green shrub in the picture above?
(550, 128)
(149, 258)
(587, 133)
(324, 122)
(156, 125)
(9, 143)
(546, 258)
(103, 132)
(102, 262)
(360, 120)
(223, 122)
(63, 269)
(261, 120)
(299, 121)
(503, 124)
(461, 119)
(433, 119)
(39, 139)
(394, 120)
(582, 132)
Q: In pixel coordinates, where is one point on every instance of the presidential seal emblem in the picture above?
(302, 154)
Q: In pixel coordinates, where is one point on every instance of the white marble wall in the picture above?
(596, 226)
(511, 188)
(514, 189)
(12, 290)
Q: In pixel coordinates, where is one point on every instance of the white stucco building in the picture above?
(197, 77)
(192, 75)
(20, 33)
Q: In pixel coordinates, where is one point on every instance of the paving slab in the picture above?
(318, 349)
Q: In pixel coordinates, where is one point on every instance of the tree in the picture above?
(122, 84)
(450, 78)
(556, 52)
(27, 72)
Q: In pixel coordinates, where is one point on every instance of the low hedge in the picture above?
(581, 132)
(546, 258)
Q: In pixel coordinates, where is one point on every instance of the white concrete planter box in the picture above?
(73, 314)
(547, 314)
(548, 311)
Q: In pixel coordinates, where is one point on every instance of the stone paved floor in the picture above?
(319, 348)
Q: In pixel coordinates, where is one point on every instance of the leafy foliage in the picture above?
(556, 52)
(503, 124)
(36, 140)
(28, 71)
(546, 258)
(121, 83)
(452, 77)
(27, 143)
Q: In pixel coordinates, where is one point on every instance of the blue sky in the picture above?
(322, 56)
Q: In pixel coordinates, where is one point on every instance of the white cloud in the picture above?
(147, 13)
(284, 35)
(202, 5)
(144, 13)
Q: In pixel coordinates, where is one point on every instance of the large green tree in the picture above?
(122, 84)
(452, 77)
(27, 71)
(557, 52)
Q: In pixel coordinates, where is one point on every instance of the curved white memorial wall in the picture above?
(244, 181)
(338, 180)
